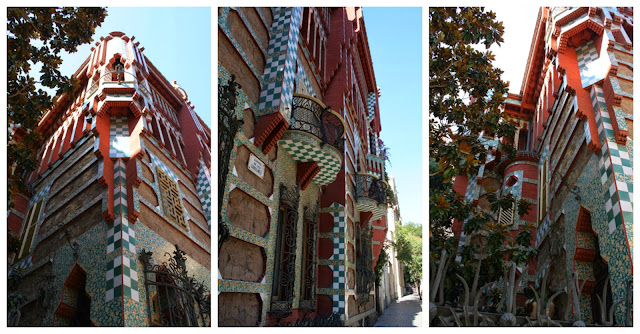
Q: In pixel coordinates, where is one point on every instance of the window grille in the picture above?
(506, 216)
(284, 272)
(171, 205)
(174, 298)
(30, 224)
(364, 263)
(310, 238)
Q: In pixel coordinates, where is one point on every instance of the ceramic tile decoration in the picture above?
(580, 133)
(91, 229)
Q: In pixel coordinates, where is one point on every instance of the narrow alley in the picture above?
(404, 312)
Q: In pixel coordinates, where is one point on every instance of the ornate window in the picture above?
(309, 256)
(285, 251)
(28, 232)
(171, 205)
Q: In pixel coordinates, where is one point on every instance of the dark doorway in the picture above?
(601, 273)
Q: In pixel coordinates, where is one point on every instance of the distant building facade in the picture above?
(302, 190)
(574, 160)
(392, 280)
(123, 184)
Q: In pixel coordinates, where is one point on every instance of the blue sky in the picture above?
(176, 40)
(396, 50)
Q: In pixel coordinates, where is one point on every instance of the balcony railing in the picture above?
(371, 187)
(311, 116)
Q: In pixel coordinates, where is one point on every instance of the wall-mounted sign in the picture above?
(256, 166)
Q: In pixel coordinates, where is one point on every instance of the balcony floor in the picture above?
(303, 148)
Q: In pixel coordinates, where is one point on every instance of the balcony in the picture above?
(315, 139)
(311, 116)
(118, 88)
(371, 195)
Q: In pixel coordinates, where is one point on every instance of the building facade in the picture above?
(392, 281)
(574, 160)
(302, 190)
(115, 228)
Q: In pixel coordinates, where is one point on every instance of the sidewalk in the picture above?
(404, 312)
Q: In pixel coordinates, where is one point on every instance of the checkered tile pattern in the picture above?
(473, 191)
(616, 167)
(122, 279)
(119, 137)
(165, 169)
(280, 71)
(371, 106)
(338, 249)
(329, 163)
(462, 242)
(338, 222)
(121, 235)
(120, 190)
(589, 64)
(338, 305)
(338, 277)
(203, 188)
(339, 272)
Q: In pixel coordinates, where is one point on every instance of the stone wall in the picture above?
(240, 309)
(239, 260)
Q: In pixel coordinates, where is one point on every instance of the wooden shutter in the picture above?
(29, 230)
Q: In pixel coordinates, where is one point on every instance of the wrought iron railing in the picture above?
(173, 297)
(228, 127)
(116, 75)
(371, 187)
(333, 320)
(311, 116)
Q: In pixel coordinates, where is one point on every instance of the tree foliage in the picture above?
(408, 245)
(466, 93)
(35, 38)
(459, 74)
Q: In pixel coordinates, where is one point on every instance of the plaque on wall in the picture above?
(256, 165)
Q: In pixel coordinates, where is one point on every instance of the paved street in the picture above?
(404, 312)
